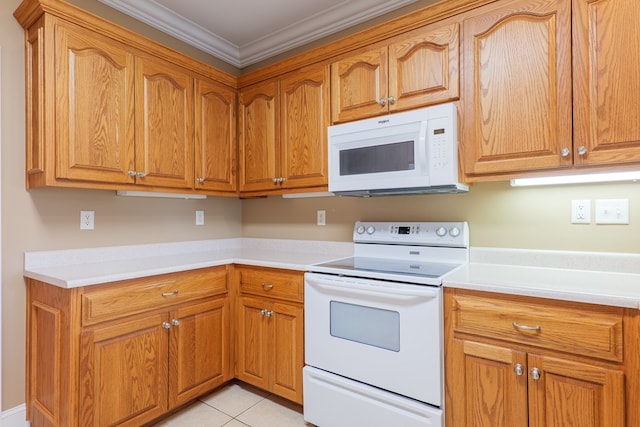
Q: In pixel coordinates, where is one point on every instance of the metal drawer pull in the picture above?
(267, 286)
(169, 294)
(525, 327)
(535, 374)
(518, 369)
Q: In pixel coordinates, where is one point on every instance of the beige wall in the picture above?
(49, 218)
(498, 216)
(46, 219)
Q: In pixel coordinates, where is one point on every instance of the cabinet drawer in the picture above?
(127, 297)
(585, 329)
(273, 283)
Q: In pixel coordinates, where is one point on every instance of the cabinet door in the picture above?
(123, 372)
(94, 107)
(251, 346)
(259, 140)
(304, 121)
(199, 349)
(574, 394)
(215, 136)
(286, 335)
(424, 68)
(358, 84)
(164, 125)
(606, 85)
(486, 386)
(517, 96)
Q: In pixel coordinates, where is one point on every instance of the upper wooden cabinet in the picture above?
(606, 81)
(164, 124)
(521, 90)
(109, 109)
(517, 96)
(215, 136)
(283, 132)
(94, 110)
(417, 69)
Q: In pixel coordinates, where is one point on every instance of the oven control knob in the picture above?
(454, 232)
(441, 231)
(371, 229)
(360, 229)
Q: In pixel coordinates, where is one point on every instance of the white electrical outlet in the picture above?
(199, 217)
(581, 211)
(87, 220)
(612, 211)
(321, 217)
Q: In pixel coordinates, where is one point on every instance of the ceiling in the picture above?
(243, 32)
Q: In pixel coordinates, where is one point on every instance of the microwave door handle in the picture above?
(362, 289)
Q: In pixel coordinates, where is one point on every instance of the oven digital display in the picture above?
(404, 230)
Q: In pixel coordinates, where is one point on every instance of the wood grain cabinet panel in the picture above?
(164, 125)
(413, 70)
(215, 136)
(282, 133)
(606, 81)
(550, 84)
(269, 333)
(95, 100)
(99, 357)
(259, 136)
(498, 378)
(517, 97)
(109, 109)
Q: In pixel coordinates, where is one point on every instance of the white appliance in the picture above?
(413, 152)
(373, 327)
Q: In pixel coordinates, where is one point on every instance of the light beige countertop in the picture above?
(597, 278)
(82, 267)
(591, 277)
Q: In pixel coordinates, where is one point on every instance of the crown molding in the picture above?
(342, 16)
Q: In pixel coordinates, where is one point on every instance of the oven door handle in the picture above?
(364, 289)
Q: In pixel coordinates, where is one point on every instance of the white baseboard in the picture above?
(15, 417)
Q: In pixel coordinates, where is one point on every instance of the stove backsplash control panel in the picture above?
(453, 234)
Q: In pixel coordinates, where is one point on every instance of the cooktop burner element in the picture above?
(412, 252)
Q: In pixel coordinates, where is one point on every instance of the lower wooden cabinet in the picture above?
(529, 376)
(270, 330)
(125, 353)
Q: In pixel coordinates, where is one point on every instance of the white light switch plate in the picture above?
(612, 211)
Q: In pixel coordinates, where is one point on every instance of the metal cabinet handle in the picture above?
(263, 312)
(131, 173)
(392, 100)
(382, 102)
(525, 327)
(283, 179)
(141, 174)
(565, 152)
(518, 369)
(175, 322)
(269, 313)
(166, 325)
(169, 294)
(267, 286)
(582, 150)
(535, 374)
(200, 180)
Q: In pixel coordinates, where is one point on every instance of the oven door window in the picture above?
(366, 325)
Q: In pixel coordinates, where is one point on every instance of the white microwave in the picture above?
(413, 152)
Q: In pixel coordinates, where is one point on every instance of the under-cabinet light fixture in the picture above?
(577, 179)
(307, 195)
(159, 195)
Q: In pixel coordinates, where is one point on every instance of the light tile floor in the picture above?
(238, 405)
